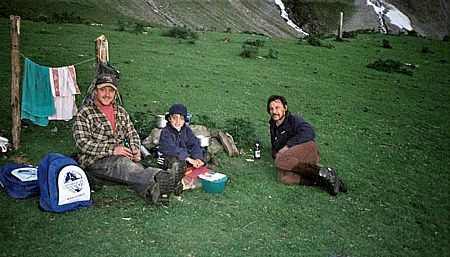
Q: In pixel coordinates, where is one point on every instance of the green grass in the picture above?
(387, 133)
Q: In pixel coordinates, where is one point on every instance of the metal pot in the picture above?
(204, 140)
(161, 121)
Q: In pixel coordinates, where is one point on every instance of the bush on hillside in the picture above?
(350, 34)
(249, 51)
(139, 27)
(315, 41)
(257, 42)
(64, 17)
(181, 33)
(120, 25)
(253, 33)
(273, 54)
(413, 33)
(366, 31)
(143, 122)
(389, 65)
(426, 50)
(242, 130)
(204, 120)
(386, 44)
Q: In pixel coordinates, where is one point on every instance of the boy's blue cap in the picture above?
(177, 109)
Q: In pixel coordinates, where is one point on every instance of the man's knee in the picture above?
(286, 162)
(288, 178)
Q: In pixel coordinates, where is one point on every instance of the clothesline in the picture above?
(93, 58)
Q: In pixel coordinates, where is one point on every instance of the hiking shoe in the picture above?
(178, 168)
(343, 186)
(165, 179)
(328, 177)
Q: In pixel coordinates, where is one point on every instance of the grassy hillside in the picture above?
(66, 11)
(387, 133)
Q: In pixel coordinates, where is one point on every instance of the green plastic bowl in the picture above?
(214, 187)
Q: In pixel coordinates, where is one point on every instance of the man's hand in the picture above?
(122, 150)
(197, 163)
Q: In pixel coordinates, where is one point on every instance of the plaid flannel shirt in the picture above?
(94, 137)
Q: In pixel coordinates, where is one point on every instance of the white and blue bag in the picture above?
(19, 180)
(63, 184)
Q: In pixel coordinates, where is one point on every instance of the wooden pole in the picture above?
(341, 21)
(15, 77)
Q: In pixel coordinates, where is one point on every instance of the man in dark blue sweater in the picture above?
(295, 152)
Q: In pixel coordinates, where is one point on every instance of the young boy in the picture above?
(178, 143)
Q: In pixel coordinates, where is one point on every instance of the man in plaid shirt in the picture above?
(109, 146)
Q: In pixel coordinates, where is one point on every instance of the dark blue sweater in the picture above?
(181, 144)
(294, 130)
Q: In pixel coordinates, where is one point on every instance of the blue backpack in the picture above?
(63, 184)
(19, 180)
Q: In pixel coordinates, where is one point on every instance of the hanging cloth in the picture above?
(37, 98)
(63, 82)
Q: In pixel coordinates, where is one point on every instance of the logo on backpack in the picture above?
(73, 185)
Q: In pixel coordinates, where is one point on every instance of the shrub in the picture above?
(249, 51)
(143, 122)
(413, 33)
(350, 34)
(386, 44)
(120, 25)
(204, 120)
(253, 33)
(181, 33)
(315, 41)
(389, 65)
(273, 54)
(445, 38)
(426, 50)
(242, 130)
(257, 43)
(64, 17)
(139, 27)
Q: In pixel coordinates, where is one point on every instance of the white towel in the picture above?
(64, 87)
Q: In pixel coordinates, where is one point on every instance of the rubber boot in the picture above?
(329, 178)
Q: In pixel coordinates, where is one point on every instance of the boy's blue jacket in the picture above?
(181, 144)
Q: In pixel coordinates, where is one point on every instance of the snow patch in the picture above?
(384, 9)
(285, 16)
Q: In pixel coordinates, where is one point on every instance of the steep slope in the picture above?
(261, 16)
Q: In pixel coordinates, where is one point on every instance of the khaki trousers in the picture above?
(299, 164)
